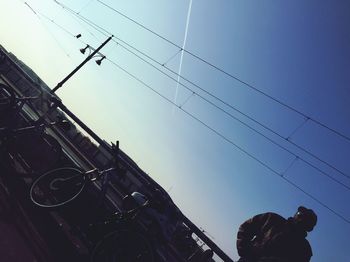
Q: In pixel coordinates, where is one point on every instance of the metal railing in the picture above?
(124, 160)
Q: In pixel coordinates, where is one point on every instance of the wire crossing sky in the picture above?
(225, 103)
(291, 120)
(297, 157)
(224, 72)
(288, 138)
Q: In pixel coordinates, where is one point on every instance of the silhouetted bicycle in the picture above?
(32, 146)
(60, 186)
(11, 105)
(26, 144)
(9, 100)
(124, 242)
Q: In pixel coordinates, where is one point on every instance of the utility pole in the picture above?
(60, 84)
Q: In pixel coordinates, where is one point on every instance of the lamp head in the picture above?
(100, 60)
(82, 50)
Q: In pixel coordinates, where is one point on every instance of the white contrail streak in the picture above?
(182, 51)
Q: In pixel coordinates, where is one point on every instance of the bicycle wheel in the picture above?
(57, 187)
(123, 246)
(7, 97)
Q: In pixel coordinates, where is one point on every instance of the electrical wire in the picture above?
(242, 122)
(85, 28)
(47, 29)
(225, 72)
(252, 119)
(232, 143)
(172, 57)
(53, 21)
(107, 33)
(85, 6)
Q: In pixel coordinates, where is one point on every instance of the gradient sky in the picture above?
(297, 52)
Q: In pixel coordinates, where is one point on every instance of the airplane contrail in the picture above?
(182, 51)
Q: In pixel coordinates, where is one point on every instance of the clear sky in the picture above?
(295, 51)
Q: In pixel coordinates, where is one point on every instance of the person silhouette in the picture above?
(269, 237)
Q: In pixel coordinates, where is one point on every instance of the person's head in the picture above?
(305, 218)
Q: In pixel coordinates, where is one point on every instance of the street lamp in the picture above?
(82, 50)
(93, 53)
(91, 49)
(100, 60)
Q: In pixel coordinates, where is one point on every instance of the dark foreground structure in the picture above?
(67, 195)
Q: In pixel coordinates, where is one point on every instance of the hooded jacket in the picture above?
(269, 235)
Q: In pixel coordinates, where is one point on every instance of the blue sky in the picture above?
(295, 51)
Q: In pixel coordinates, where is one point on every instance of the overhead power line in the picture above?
(224, 72)
(234, 144)
(297, 157)
(58, 25)
(249, 126)
(85, 6)
(288, 139)
(103, 31)
(47, 29)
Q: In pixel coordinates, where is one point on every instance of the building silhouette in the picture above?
(174, 236)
